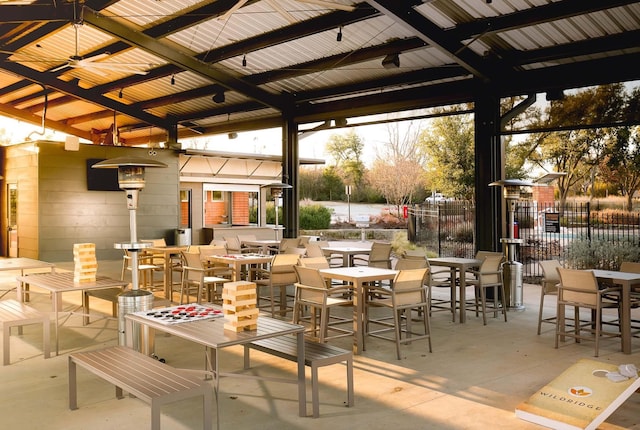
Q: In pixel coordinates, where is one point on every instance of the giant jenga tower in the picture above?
(239, 306)
(85, 263)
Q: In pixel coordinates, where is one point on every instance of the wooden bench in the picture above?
(315, 355)
(142, 376)
(16, 314)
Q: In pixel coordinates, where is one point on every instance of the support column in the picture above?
(489, 167)
(290, 166)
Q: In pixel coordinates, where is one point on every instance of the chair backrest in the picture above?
(409, 286)
(490, 270)
(310, 276)
(630, 266)
(192, 266)
(218, 242)
(550, 276)
(297, 251)
(288, 242)
(311, 286)
(380, 255)
(578, 286)
(315, 262)
(419, 254)
(313, 250)
(233, 244)
(481, 255)
(206, 251)
(282, 269)
(247, 237)
(411, 263)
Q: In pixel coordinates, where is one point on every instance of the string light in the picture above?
(120, 94)
(244, 61)
(173, 79)
(339, 35)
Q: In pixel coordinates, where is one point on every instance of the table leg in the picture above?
(302, 389)
(463, 294)
(57, 299)
(625, 318)
(168, 277)
(358, 309)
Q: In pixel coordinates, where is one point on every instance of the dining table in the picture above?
(626, 281)
(458, 267)
(57, 283)
(357, 276)
(22, 264)
(347, 252)
(212, 334)
(167, 252)
(266, 246)
(236, 261)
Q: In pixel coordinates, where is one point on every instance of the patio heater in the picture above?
(512, 269)
(276, 192)
(131, 180)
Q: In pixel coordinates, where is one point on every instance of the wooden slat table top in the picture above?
(12, 311)
(21, 263)
(60, 282)
(213, 334)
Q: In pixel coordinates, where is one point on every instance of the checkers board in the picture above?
(181, 313)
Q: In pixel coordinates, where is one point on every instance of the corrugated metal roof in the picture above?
(294, 63)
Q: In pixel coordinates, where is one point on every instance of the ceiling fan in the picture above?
(278, 8)
(76, 61)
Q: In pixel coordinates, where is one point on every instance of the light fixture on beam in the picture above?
(555, 95)
(218, 97)
(391, 61)
(232, 135)
(120, 95)
(339, 35)
(244, 60)
(173, 79)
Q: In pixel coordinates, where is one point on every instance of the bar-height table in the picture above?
(357, 276)
(265, 245)
(212, 334)
(57, 283)
(347, 252)
(236, 261)
(625, 280)
(22, 264)
(458, 268)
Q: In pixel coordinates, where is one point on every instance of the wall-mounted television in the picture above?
(101, 179)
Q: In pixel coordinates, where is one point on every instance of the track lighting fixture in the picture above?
(244, 60)
(218, 97)
(120, 94)
(339, 35)
(173, 79)
(391, 61)
(232, 135)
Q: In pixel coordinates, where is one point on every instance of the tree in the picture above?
(347, 153)
(396, 182)
(621, 164)
(448, 143)
(577, 153)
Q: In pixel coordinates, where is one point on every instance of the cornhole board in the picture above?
(581, 397)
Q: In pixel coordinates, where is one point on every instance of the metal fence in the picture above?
(448, 229)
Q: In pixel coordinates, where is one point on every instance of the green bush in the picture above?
(583, 253)
(314, 217)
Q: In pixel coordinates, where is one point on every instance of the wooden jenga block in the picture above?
(85, 263)
(239, 301)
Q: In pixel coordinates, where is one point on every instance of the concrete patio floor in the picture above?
(474, 379)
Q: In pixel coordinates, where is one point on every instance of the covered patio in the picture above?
(474, 379)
